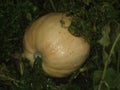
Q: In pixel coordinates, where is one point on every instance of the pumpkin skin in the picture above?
(62, 53)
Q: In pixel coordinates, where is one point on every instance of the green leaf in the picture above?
(112, 78)
(96, 78)
(105, 40)
(116, 82)
(29, 16)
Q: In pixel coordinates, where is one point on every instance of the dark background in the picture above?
(96, 20)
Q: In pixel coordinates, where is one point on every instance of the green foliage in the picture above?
(97, 21)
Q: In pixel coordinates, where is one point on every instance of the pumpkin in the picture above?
(62, 53)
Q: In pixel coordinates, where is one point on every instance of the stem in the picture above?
(53, 6)
(108, 61)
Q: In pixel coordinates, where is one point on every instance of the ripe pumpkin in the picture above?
(62, 53)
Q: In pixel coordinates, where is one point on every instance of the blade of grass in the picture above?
(52, 4)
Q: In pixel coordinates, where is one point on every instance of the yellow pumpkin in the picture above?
(62, 53)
